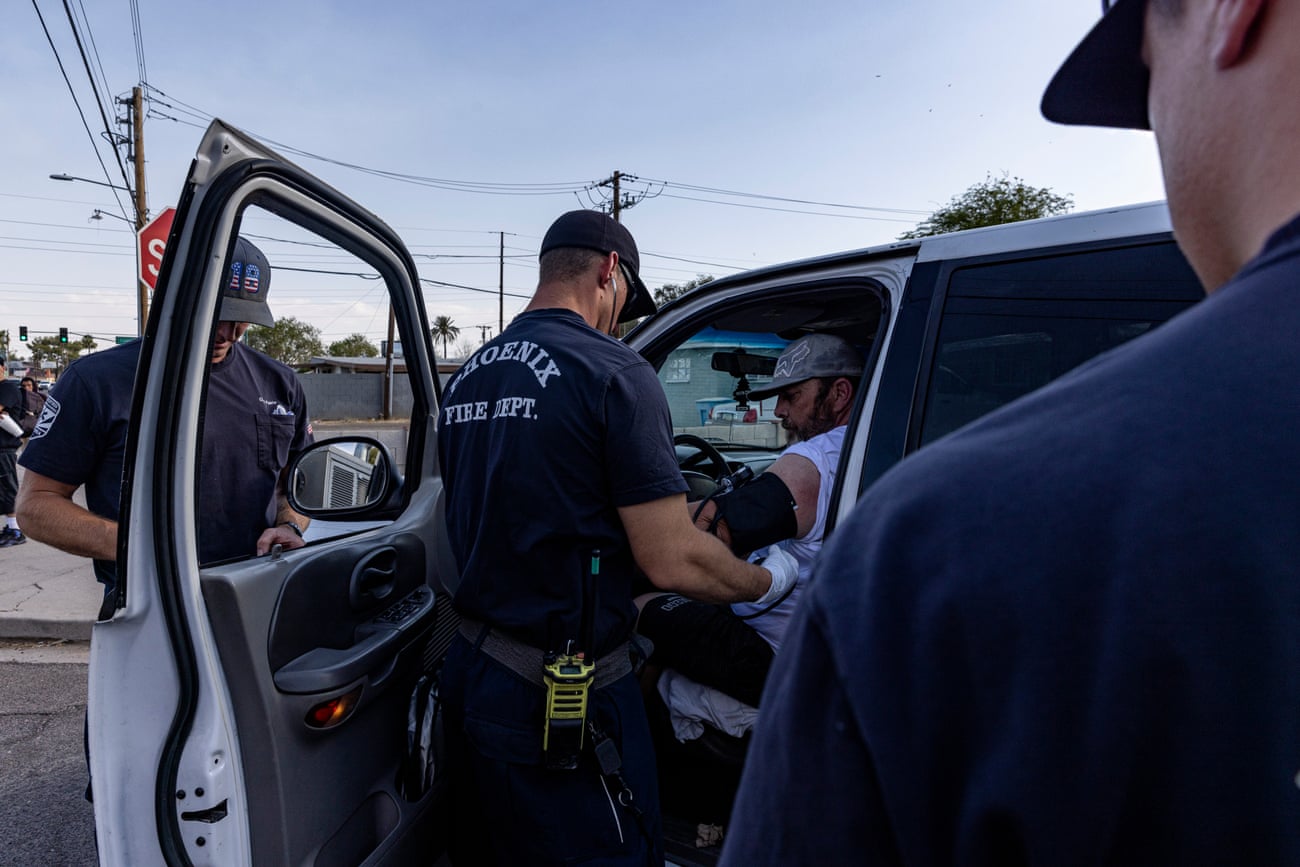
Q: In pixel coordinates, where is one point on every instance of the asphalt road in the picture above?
(44, 817)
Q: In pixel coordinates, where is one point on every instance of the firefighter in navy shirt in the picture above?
(255, 422)
(556, 450)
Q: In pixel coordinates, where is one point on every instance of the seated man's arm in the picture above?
(676, 556)
(800, 476)
(48, 514)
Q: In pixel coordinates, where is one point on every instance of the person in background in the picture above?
(11, 412)
(33, 403)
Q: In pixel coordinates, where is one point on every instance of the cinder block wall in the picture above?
(332, 396)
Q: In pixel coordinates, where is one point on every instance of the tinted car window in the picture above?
(1009, 328)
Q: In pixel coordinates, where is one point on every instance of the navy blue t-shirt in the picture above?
(80, 437)
(1069, 633)
(257, 421)
(543, 434)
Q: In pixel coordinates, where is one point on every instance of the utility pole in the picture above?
(501, 284)
(386, 410)
(483, 331)
(620, 201)
(137, 146)
(135, 117)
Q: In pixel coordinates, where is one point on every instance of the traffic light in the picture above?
(63, 335)
(22, 333)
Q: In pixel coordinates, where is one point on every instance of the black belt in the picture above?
(526, 660)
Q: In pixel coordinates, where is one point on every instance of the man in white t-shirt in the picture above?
(730, 648)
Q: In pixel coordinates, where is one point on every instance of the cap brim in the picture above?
(240, 310)
(1104, 81)
(642, 303)
(764, 393)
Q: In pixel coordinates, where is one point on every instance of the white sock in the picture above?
(11, 522)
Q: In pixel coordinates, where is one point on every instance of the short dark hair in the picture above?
(27, 379)
(565, 264)
(824, 384)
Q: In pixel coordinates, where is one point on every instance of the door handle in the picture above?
(373, 579)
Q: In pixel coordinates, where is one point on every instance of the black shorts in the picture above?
(707, 643)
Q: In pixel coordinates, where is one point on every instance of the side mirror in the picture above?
(341, 477)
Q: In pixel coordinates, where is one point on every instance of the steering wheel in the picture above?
(704, 450)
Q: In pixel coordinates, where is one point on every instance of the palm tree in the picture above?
(444, 329)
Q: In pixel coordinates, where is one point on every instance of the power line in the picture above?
(487, 187)
(90, 37)
(63, 226)
(57, 241)
(73, 92)
(788, 210)
(108, 128)
(647, 191)
(595, 197)
(739, 194)
(65, 252)
(138, 33)
(472, 288)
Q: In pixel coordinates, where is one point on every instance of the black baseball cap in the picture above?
(1104, 81)
(243, 298)
(592, 230)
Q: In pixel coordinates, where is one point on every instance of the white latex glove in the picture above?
(784, 569)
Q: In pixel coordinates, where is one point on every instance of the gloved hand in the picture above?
(784, 569)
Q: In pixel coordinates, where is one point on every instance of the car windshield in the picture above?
(709, 402)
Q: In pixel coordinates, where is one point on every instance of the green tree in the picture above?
(444, 329)
(669, 291)
(49, 348)
(289, 340)
(354, 346)
(991, 203)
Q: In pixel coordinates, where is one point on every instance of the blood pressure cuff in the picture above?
(757, 514)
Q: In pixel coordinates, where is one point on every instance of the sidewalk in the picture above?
(45, 593)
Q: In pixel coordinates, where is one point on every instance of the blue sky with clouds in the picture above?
(889, 105)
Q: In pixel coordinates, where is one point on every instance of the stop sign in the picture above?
(153, 240)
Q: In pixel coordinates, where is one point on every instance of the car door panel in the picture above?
(274, 729)
(347, 611)
(358, 802)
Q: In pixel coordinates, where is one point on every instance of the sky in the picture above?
(888, 108)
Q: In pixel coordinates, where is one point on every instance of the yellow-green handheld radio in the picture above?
(568, 683)
(568, 677)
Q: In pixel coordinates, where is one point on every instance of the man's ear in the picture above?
(1235, 22)
(607, 266)
(843, 393)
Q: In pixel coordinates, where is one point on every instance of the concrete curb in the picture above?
(46, 594)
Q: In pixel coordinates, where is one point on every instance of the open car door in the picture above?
(272, 709)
